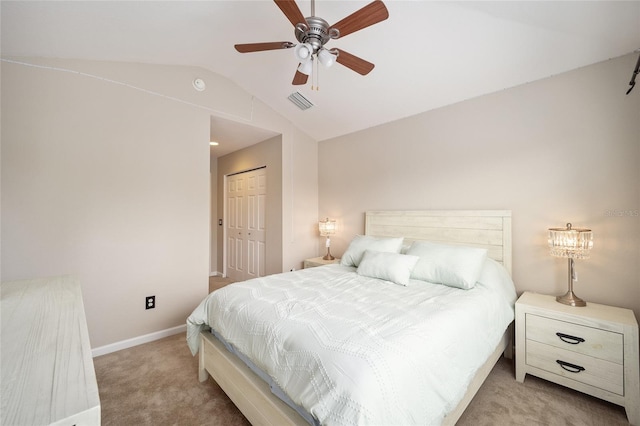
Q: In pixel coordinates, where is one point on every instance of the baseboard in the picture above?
(135, 341)
(216, 274)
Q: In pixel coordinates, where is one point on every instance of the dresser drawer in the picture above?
(602, 344)
(582, 368)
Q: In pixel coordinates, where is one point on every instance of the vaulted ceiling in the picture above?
(427, 54)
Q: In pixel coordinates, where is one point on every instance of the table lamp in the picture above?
(327, 228)
(570, 243)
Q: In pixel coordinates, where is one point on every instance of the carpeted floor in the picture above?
(157, 384)
(218, 282)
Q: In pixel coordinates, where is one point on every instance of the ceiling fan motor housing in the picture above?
(316, 34)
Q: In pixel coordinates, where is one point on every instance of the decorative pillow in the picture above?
(449, 265)
(387, 266)
(360, 243)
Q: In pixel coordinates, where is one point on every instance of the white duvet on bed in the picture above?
(356, 350)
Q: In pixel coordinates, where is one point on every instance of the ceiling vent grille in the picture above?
(300, 101)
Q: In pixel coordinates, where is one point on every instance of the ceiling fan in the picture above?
(314, 32)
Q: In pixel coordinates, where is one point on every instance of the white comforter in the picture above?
(355, 350)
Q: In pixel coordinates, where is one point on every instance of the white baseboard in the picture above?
(135, 341)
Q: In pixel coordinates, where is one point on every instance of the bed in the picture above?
(403, 331)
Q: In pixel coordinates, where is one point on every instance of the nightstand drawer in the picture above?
(602, 344)
(582, 368)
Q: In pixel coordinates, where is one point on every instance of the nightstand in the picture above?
(592, 349)
(318, 261)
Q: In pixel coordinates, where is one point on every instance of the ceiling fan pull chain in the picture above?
(317, 75)
(313, 66)
(315, 72)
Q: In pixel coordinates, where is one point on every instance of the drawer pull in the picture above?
(567, 338)
(571, 368)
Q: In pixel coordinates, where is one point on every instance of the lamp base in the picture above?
(570, 298)
(328, 255)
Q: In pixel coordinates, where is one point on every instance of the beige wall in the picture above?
(108, 184)
(105, 175)
(300, 202)
(213, 212)
(563, 149)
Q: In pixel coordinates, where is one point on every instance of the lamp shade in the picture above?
(306, 67)
(327, 227)
(303, 51)
(326, 58)
(570, 242)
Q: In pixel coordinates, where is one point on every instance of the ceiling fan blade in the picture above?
(258, 47)
(370, 14)
(299, 79)
(350, 61)
(291, 11)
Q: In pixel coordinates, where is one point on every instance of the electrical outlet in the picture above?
(150, 302)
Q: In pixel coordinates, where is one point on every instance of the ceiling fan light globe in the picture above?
(326, 58)
(303, 51)
(305, 67)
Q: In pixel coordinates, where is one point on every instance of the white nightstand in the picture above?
(318, 261)
(592, 349)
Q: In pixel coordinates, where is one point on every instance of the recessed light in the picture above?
(199, 84)
(213, 143)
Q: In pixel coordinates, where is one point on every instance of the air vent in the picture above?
(300, 101)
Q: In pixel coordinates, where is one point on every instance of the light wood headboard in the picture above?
(490, 229)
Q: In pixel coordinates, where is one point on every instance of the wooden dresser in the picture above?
(47, 368)
(592, 349)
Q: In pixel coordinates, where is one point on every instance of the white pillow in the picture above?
(360, 243)
(454, 266)
(393, 267)
(496, 277)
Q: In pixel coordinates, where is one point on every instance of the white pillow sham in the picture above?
(361, 243)
(454, 266)
(393, 267)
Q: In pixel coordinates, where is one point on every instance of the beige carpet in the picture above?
(218, 282)
(157, 384)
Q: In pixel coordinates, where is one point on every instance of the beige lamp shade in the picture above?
(327, 227)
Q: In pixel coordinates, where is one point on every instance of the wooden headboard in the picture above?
(490, 229)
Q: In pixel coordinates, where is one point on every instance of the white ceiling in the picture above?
(232, 136)
(427, 54)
